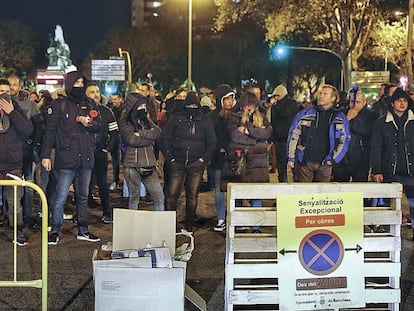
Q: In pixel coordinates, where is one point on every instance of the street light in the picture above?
(409, 54)
(190, 43)
(128, 57)
(280, 50)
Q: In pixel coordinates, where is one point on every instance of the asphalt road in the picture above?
(70, 263)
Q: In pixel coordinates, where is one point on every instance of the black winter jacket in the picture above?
(109, 136)
(361, 131)
(223, 138)
(75, 143)
(188, 138)
(282, 116)
(384, 145)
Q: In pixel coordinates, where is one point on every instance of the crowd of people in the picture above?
(71, 136)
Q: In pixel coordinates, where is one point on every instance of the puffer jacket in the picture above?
(301, 136)
(188, 138)
(139, 136)
(255, 144)
(384, 145)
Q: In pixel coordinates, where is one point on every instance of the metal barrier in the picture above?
(253, 271)
(39, 283)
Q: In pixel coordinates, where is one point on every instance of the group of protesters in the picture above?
(70, 136)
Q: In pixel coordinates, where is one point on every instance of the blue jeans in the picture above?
(81, 178)
(220, 198)
(191, 176)
(48, 181)
(152, 183)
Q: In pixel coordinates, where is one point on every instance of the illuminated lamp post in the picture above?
(128, 58)
(190, 44)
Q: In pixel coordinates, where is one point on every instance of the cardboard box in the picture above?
(130, 284)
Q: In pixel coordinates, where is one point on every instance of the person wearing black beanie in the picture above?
(71, 125)
(392, 146)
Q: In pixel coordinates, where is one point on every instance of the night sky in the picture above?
(84, 22)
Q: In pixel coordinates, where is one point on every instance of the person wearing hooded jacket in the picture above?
(70, 129)
(225, 101)
(187, 142)
(392, 146)
(139, 134)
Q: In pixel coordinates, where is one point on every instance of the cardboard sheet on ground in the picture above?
(134, 229)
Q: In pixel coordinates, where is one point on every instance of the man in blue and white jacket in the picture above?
(318, 138)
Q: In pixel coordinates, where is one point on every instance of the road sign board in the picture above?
(369, 79)
(319, 236)
(108, 69)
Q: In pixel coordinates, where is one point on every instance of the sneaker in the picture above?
(53, 239)
(88, 237)
(113, 186)
(21, 240)
(221, 225)
(107, 220)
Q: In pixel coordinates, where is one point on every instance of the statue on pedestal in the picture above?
(59, 53)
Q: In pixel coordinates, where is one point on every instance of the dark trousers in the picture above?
(281, 161)
(99, 173)
(343, 172)
(28, 173)
(115, 164)
(190, 176)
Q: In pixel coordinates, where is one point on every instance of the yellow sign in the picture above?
(320, 238)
